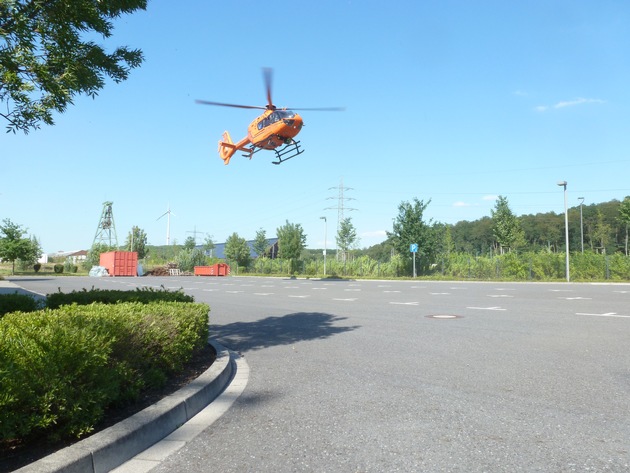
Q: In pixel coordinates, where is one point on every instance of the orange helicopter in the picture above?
(274, 130)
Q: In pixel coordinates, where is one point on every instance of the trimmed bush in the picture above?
(60, 369)
(58, 268)
(37, 267)
(18, 302)
(108, 296)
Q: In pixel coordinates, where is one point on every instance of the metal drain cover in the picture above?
(444, 316)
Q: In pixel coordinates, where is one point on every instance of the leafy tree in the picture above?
(190, 243)
(236, 249)
(14, 245)
(44, 62)
(291, 242)
(473, 237)
(94, 254)
(507, 230)
(137, 241)
(624, 217)
(408, 228)
(188, 258)
(29, 259)
(260, 243)
(346, 237)
(380, 252)
(601, 233)
(208, 245)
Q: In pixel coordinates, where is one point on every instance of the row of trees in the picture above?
(605, 231)
(599, 227)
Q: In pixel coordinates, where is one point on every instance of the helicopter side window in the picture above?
(274, 117)
(260, 125)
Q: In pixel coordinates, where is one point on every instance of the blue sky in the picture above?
(453, 101)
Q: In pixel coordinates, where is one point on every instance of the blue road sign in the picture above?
(413, 247)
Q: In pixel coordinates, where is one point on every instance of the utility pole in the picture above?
(194, 232)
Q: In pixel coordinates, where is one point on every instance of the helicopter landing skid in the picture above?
(292, 149)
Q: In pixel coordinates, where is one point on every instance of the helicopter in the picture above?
(274, 130)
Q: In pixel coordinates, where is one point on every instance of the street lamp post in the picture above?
(566, 227)
(325, 238)
(581, 199)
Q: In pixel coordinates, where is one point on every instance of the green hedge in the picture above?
(60, 369)
(108, 296)
(18, 302)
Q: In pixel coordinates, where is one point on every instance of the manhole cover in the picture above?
(444, 316)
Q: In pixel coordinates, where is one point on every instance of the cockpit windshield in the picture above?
(276, 116)
(285, 113)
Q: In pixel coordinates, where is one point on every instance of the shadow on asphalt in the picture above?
(275, 331)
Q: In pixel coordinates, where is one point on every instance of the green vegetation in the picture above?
(442, 247)
(108, 296)
(18, 303)
(61, 368)
(15, 246)
(44, 63)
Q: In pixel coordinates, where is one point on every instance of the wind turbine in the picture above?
(168, 224)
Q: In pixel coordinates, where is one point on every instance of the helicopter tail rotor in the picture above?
(226, 147)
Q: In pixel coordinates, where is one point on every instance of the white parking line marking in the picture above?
(348, 300)
(576, 298)
(440, 293)
(486, 308)
(299, 297)
(387, 292)
(499, 295)
(608, 314)
(263, 293)
(405, 303)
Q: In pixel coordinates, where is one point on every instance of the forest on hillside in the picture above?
(603, 227)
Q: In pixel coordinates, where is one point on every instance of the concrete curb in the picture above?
(115, 445)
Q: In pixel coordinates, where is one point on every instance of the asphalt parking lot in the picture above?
(412, 376)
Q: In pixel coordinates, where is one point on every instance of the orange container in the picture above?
(222, 269)
(203, 270)
(219, 269)
(120, 263)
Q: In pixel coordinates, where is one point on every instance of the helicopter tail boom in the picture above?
(227, 147)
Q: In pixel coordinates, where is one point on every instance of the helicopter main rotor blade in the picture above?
(233, 105)
(321, 109)
(268, 76)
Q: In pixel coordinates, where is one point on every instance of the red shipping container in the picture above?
(120, 263)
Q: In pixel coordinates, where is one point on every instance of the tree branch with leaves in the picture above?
(44, 62)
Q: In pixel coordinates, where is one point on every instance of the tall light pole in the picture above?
(325, 238)
(566, 226)
(581, 199)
